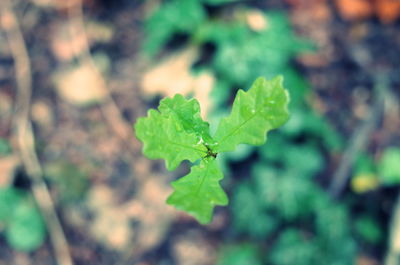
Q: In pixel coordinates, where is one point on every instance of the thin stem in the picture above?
(24, 134)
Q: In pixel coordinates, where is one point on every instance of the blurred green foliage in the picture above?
(275, 200)
(368, 229)
(370, 174)
(241, 254)
(242, 54)
(278, 206)
(5, 147)
(174, 17)
(389, 166)
(23, 225)
(69, 180)
(292, 247)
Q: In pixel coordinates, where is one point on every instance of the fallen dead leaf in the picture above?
(359, 31)
(315, 10)
(5, 103)
(391, 121)
(354, 9)
(202, 87)
(173, 76)
(313, 21)
(387, 11)
(112, 220)
(321, 12)
(60, 5)
(20, 258)
(42, 114)
(8, 166)
(313, 60)
(66, 43)
(69, 41)
(153, 214)
(80, 86)
(360, 106)
(256, 20)
(193, 249)
(112, 227)
(54, 3)
(304, 3)
(101, 196)
(5, 109)
(99, 32)
(365, 260)
(108, 149)
(44, 3)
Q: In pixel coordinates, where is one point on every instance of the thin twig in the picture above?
(360, 136)
(25, 137)
(362, 57)
(109, 109)
(393, 254)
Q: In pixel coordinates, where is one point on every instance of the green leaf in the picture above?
(264, 107)
(198, 192)
(293, 248)
(307, 121)
(243, 54)
(335, 240)
(331, 222)
(169, 19)
(368, 229)
(272, 152)
(220, 93)
(217, 2)
(26, 230)
(304, 159)
(389, 166)
(176, 132)
(5, 147)
(187, 113)
(69, 180)
(297, 87)
(168, 136)
(248, 212)
(9, 198)
(241, 153)
(364, 164)
(244, 254)
(285, 192)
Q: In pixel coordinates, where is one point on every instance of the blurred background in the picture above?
(75, 75)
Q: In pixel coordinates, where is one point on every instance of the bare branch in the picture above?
(24, 134)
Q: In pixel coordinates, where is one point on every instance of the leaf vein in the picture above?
(202, 181)
(239, 126)
(186, 146)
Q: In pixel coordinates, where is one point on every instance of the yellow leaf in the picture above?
(364, 183)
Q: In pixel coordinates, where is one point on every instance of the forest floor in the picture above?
(109, 198)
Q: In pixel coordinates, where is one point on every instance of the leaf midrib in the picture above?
(202, 182)
(240, 125)
(186, 146)
(181, 117)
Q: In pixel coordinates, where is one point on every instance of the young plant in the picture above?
(176, 132)
(24, 228)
